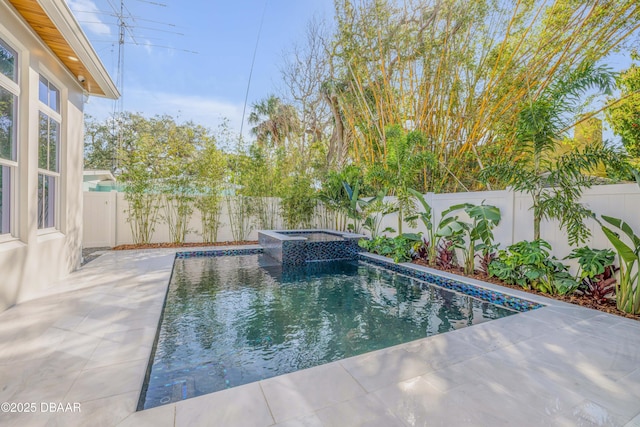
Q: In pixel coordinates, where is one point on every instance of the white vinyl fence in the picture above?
(106, 223)
(105, 218)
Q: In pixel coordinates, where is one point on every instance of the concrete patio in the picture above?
(89, 339)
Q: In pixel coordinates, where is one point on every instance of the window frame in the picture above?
(13, 87)
(51, 114)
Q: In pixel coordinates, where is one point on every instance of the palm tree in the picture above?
(407, 157)
(274, 122)
(555, 182)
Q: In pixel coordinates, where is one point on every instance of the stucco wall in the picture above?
(32, 261)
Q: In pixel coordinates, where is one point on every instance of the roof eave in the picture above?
(63, 19)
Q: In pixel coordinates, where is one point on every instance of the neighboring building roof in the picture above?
(98, 175)
(53, 21)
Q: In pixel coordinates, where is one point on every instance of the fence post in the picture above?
(512, 215)
(113, 239)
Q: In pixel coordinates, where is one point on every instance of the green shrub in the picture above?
(529, 265)
(596, 272)
(401, 248)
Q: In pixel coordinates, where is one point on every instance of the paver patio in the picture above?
(89, 341)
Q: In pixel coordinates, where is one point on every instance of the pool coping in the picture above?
(315, 394)
(286, 234)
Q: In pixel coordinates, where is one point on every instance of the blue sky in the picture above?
(203, 87)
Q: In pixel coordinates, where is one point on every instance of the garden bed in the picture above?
(181, 245)
(608, 307)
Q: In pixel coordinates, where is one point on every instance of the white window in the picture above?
(9, 92)
(48, 154)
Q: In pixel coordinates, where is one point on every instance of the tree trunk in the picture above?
(335, 154)
(537, 216)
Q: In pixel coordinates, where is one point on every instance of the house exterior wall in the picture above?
(31, 260)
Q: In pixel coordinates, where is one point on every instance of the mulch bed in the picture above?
(608, 307)
(182, 245)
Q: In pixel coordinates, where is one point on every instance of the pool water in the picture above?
(233, 320)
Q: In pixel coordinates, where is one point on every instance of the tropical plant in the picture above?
(374, 210)
(401, 248)
(406, 157)
(449, 227)
(529, 265)
(274, 121)
(628, 287)
(452, 232)
(446, 254)
(426, 216)
(486, 257)
(470, 237)
(596, 272)
(334, 195)
(555, 183)
(352, 210)
(480, 233)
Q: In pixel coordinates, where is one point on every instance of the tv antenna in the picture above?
(128, 24)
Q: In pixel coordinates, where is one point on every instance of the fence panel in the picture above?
(105, 217)
(99, 211)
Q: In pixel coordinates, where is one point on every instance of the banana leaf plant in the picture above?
(474, 236)
(628, 287)
(426, 216)
(455, 230)
(449, 227)
(374, 210)
(352, 208)
(485, 218)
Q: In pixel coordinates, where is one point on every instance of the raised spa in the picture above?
(295, 247)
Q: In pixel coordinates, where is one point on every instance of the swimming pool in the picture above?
(231, 320)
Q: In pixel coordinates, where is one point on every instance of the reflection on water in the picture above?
(233, 320)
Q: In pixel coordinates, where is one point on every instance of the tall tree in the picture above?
(457, 71)
(304, 70)
(624, 115)
(274, 121)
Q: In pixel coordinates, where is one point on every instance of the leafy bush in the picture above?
(446, 254)
(529, 265)
(596, 272)
(401, 248)
(486, 257)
